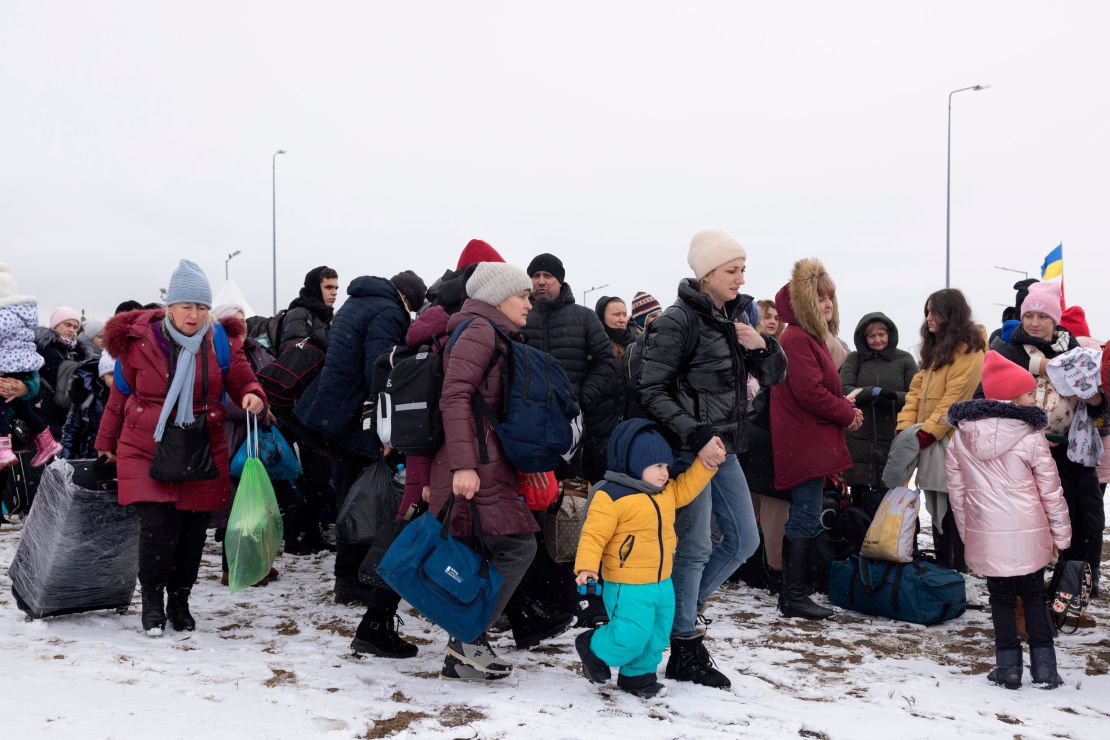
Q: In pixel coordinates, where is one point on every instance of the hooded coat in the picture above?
(865, 369)
(373, 319)
(809, 413)
(475, 363)
(629, 527)
(1003, 488)
(127, 427)
(308, 315)
(18, 353)
(694, 372)
(574, 336)
(54, 353)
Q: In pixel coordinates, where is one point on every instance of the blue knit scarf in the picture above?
(180, 393)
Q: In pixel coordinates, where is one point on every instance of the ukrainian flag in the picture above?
(1053, 266)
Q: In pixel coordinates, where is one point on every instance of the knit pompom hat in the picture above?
(1003, 380)
(710, 249)
(493, 282)
(189, 284)
(477, 251)
(648, 448)
(63, 313)
(644, 305)
(1043, 298)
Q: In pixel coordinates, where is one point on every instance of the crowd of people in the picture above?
(713, 428)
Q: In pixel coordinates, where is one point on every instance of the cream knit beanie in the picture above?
(710, 249)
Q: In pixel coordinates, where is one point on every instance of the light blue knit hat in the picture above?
(189, 284)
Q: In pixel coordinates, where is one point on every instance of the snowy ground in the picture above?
(275, 662)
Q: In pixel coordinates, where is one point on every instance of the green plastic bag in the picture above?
(254, 530)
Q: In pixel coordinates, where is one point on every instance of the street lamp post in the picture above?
(948, 197)
(591, 290)
(273, 187)
(227, 275)
(1024, 273)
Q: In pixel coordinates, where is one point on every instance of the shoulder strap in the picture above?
(222, 346)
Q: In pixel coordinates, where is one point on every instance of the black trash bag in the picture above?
(79, 550)
(372, 500)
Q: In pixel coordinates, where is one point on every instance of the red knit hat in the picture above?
(1074, 321)
(477, 251)
(1003, 380)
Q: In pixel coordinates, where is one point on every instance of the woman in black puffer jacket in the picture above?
(693, 382)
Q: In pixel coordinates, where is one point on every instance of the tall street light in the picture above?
(948, 209)
(229, 258)
(273, 184)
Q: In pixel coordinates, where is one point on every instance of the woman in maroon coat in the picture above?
(159, 352)
(809, 415)
(475, 363)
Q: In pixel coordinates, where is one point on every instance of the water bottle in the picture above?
(399, 476)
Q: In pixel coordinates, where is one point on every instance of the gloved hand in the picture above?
(888, 395)
(924, 439)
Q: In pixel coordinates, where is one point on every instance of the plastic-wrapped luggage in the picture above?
(80, 549)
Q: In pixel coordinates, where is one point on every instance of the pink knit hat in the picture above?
(63, 313)
(1004, 380)
(1043, 298)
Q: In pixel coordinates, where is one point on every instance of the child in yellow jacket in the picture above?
(629, 530)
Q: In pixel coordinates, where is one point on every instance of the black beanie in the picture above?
(1022, 288)
(128, 306)
(409, 284)
(548, 263)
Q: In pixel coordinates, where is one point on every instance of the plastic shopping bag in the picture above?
(891, 534)
(274, 452)
(254, 529)
(372, 500)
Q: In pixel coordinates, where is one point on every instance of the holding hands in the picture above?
(713, 454)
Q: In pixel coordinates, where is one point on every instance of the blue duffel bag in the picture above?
(920, 592)
(446, 581)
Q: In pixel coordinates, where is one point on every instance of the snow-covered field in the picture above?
(275, 662)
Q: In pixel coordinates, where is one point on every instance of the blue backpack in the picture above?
(223, 357)
(542, 424)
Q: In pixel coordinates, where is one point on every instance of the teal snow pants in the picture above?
(639, 629)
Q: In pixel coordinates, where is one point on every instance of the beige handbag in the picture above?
(563, 527)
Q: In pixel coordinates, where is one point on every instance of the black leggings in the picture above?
(1002, 598)
(171, 542)
(23, 410)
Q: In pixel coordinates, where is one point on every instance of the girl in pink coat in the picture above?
(1009, 508)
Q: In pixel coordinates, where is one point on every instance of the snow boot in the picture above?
(7, 457)
(177, 608)
(47, 449)
(532, 623)
(478, 655)
(794, 600)
(377, 634)
(454, 669)
(154, 610)
(594, 668)
(690, 661)
(1042, 667)
(350, 590)
(1007, 667)
(646, 686)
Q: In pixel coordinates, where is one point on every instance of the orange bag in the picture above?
(536, 498)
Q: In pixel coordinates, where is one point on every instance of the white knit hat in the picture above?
(106, 366)
(9, 292)
(92, 327)
(493, 282)
(710, 249)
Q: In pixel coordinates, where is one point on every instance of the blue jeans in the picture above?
(700, 564)
(640, 619)
(805, 509)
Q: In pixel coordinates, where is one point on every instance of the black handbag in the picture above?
(1069, 593)
(185, 453)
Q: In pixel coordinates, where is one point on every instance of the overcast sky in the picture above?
(137, 133)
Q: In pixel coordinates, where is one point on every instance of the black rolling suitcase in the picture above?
(79, 549)
(20, 483)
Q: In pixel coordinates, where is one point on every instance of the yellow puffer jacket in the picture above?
(633, 536)
(933, 391)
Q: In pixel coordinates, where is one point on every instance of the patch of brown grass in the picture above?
(281, 677)
(392, 725)
(457, 715)
(336, 626)
(400, 698)
(288, 628)
(1008, 719)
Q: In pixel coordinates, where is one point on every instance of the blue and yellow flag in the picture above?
(1053, 266)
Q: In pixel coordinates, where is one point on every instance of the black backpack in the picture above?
(407, 416)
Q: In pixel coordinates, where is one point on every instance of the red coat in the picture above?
(466, 370)
(136, 340)
(809, 412)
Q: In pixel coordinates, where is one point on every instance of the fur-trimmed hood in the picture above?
(798, 302)
(990, 429)
(141, 322)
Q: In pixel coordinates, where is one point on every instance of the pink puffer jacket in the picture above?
(1004, 489)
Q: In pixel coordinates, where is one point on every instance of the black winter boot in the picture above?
(690, 661)
(794, 598)
(154, 610)
(177, 608)
(594, 668)
(1042, 667)
(377, 634)
(350, 590)
(532, 623)
(646, 686)
(1007, 667)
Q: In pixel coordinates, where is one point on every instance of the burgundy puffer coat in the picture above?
(467, 369)
(136, 340)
